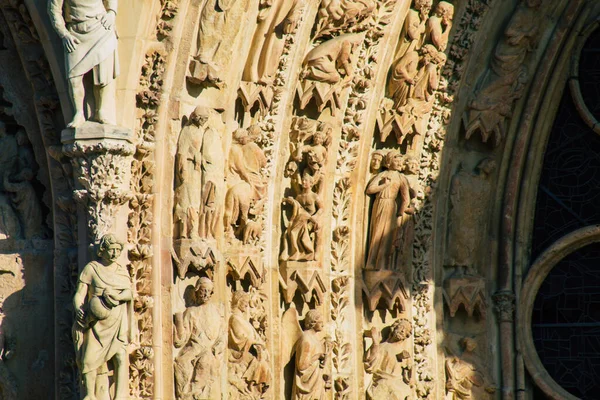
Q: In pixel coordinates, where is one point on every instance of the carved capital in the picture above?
(101, 156)
(504, 302)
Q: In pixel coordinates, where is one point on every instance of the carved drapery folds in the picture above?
(415, 74)
(467, 376)
(101, 156)
(504, 82)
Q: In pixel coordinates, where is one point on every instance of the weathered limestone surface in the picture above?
(275, 199)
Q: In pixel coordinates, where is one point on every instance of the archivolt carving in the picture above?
(491, 108)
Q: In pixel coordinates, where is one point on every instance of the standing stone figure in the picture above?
(389, 362)
(199, 175)
(199, 333)
(103, 327)
(219, 23)
(392, 200)
(302, 237)
(311, 379)
(466, 226)
(87, 29)
(276, 18)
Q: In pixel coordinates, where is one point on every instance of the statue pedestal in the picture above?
(101, 157)
(306, 277)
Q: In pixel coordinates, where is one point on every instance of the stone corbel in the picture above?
(101, 156)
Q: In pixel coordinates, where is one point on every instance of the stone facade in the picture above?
(278, 199)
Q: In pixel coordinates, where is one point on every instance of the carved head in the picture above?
(254, 132)
(200, 115)
(423, 6)
(204, 290)
(376, 159)
(486, 166)
(304, 124)
(445, 10)
(315, 160)
(393, 160)
(109, 248)
(22, 138)
(411, 166)
(240, 300)
(307, 181)
(240, 136)
(314, 321)
(401, 330)
(468, 344)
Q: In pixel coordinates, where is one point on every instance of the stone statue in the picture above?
(392, 200)
(507, 76)
(419, 101)
(199, 333)
(302, 237)
(26, 203)
(324, 62)
(466, 220)
(87, 29)
(250, 373)
(310, 158)
(401, 83)
(8, 386)
(466, 376)
(199, 171)
(104, 321)
(276, 18)
(247, 188)
(439, 25)
(390, 363)
(411, 37)
(218, 24)
(311, 376)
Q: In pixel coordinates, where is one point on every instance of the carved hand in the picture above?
(108, 20)
(80, 315)
(70, 42)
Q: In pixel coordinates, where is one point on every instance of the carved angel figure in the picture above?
(389, 362)
(87, 29)
(392, 200)
(250, 373)
(104, 321)
(311, 379)
(302, 235)
(199, 334)
(466, 377)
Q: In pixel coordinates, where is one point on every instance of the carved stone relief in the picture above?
(504, 82)
(390, 362)
(466, 376)
(199, 333)
(272, 203)
(89, 38)
(104, 322)
(219, 24)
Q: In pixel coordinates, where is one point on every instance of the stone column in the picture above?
(504, 302)
(101, 156)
